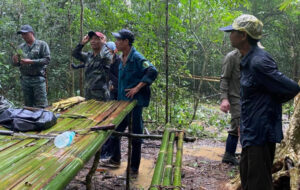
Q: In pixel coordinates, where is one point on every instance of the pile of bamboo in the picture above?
(27, 163)
(167, 174)
(66, 103)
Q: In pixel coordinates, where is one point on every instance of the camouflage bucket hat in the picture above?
(247, 23)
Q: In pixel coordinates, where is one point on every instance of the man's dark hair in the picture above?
(251, 40)
(124, 34)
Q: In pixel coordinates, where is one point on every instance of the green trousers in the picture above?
(34, 91)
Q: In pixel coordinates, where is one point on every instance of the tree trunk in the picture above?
(287, 159)
(81, 35)
(167, 61)
(71, 93)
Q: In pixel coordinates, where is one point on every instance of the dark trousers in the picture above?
(137, 128)
(231, 144)
(255, 167)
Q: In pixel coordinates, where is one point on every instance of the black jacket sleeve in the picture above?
(276, 83)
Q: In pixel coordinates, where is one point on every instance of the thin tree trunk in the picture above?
(197, 97)
(71, 47)
(167, 61)
(81, 35)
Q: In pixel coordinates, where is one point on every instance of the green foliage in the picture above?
(196, 46)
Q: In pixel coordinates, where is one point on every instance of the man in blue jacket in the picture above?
(263, 90)
(136, 74)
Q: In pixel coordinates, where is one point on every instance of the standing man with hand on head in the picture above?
(263, 90)
(230, 102)
(136, 74)
(32, 64)
(96, 65)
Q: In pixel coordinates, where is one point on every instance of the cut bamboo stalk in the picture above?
(158, 171)
(67, 174)
(20, 145)
(177, 167)
(8, 144)
(21, 153)
(169, 163)
(54, 164)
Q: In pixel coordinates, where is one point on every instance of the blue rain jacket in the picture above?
(263, 90)
(137, 69)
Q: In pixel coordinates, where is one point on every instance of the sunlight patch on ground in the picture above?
(211, 153)
(145, 173)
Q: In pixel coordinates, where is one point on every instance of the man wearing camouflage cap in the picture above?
(32, 63)
(96, 65)
(263, 90)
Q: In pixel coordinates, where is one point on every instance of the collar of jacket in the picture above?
(248, 56)
(132, 50)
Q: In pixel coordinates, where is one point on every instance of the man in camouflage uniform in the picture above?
(230, 101)
(96, 66)
(32, 64)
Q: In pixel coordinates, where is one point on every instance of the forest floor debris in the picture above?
(202, 168)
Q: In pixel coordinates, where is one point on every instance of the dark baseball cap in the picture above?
(92, 33)
(124, 34)
(25, 28)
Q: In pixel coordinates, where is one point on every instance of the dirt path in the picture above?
(202, 168)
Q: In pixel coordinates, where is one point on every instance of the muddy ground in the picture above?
(201, 168)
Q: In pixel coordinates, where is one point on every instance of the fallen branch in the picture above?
(152, 137)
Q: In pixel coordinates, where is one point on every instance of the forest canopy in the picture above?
(195, 45)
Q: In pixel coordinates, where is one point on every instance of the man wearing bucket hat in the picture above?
(263, 90)
(32, 63)
(136, 74)
(96, 64)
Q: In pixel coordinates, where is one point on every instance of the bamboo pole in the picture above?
(21, 153)
(39, 170)
(54, 166)
(6, 144)
(158, 171)
(129, 153)
(177, 167)
(57, 160)
(152, 137)
(20, 145)
(67, 174)
(168, 167)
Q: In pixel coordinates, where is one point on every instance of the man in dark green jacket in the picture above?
(32, 63)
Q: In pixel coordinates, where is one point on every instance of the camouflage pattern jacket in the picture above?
(39, 53)
(96, 72)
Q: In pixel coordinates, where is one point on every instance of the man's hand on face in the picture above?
(225, 105)
(26, 61)
(85, 39)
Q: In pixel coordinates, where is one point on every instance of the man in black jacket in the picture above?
(263, 90)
